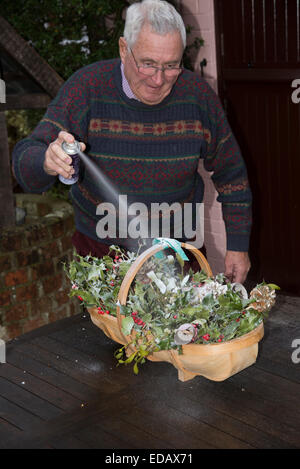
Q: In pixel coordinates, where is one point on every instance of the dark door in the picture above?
(258, 44)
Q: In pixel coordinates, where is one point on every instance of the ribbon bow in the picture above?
(170, 243)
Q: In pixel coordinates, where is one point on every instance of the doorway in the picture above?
(258, 46)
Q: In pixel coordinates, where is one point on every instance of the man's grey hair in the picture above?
(160, 15)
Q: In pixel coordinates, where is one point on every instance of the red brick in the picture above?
(28, 257)
(75, 308)
(58, 314)
(5, 298)
(57, 230)
(11, 242)
(13, 330)
(66, 243)
(69, 224)
(37, 234)
(62, 297)
(34, 324)
(16, 277)
(45, 304)
(26, 292)
(16, 312)
(52, 284)
(34, 274)
(49, 250)
(46, 268)
(42, 209)
(5, 263)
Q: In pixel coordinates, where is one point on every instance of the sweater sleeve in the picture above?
(223, 157)
(65, 112)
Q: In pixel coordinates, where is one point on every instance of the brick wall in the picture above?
(200, 15)
(33, 286)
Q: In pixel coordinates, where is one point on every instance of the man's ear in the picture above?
(122, 48)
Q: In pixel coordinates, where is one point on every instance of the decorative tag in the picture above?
(170, 243)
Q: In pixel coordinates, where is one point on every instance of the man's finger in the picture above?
(65, 136)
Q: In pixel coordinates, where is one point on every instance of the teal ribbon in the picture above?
(170, 243)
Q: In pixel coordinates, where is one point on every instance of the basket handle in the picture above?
(137, 264)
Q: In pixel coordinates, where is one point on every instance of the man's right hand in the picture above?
(56, 160)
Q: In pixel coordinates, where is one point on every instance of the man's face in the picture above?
(155, 49)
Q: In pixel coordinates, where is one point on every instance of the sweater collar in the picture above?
(125, 85)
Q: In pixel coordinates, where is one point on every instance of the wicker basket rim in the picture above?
(205, 349)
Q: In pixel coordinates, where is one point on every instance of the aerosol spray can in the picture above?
(72, 150)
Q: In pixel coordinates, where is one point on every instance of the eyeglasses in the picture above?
(151, 70)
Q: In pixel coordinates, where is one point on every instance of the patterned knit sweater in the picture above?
(151, 153)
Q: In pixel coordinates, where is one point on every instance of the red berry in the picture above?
(175, 317)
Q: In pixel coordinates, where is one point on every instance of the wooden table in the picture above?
(60, 388)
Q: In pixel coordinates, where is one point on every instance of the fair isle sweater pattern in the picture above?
(151, 153)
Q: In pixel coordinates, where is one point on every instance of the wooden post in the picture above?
(7, 211)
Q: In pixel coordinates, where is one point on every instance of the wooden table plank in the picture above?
(50, 375)
(202, 400)
(19, 395)
(41, 388)
(75, 397)
(63, 365)
(182, 430)
(17, 416)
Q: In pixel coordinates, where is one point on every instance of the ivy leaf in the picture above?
(229, 331)
(209, 300)
(94, 272)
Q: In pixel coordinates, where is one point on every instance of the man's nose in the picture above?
(158, 78)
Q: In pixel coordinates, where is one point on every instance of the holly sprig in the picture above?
(96, 282)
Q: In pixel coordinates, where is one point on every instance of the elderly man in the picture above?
(145, 122)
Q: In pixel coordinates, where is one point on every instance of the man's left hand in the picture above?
(237, 266)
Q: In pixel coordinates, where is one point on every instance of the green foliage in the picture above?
(68, 34)
(96, 282)
(21, 123)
